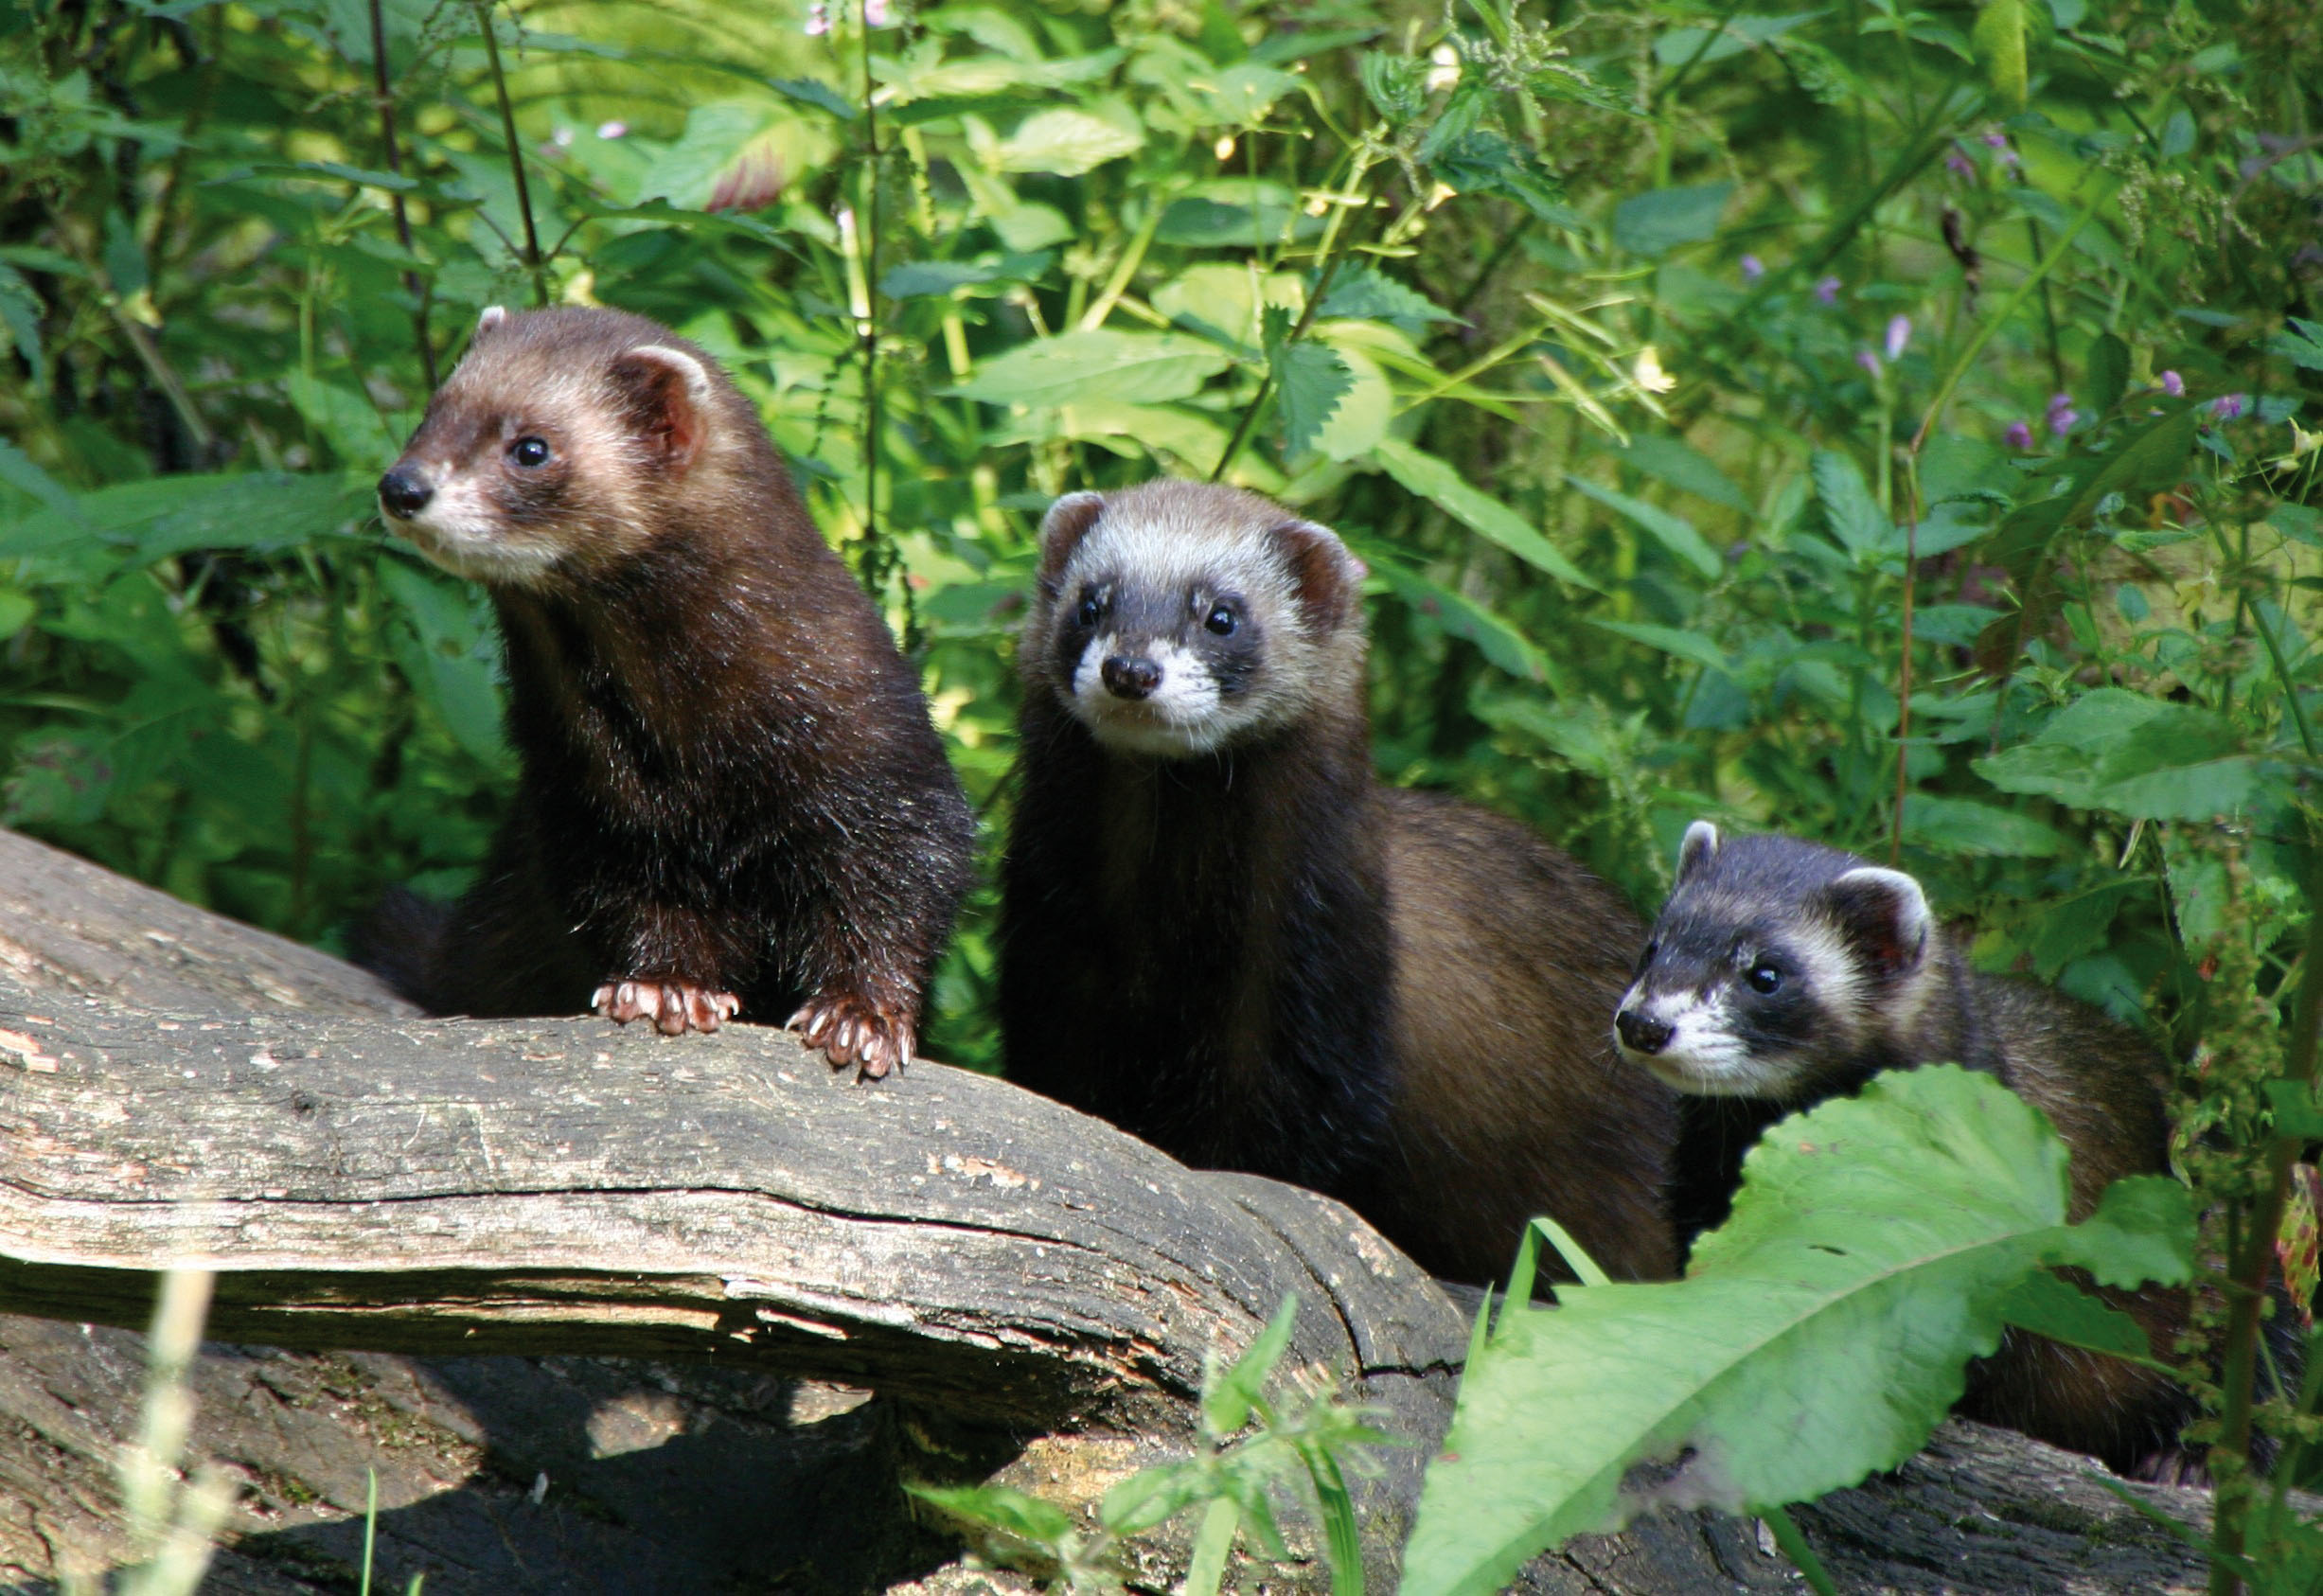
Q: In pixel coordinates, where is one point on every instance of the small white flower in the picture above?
(612, 129)
(1225, 147)
(1647, 373)
(563, 139)
(1444, 70)
(876, 13)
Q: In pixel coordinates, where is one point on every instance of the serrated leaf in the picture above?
(1483, 162)
(1369, 293)
(1673, 531)
(1310, 379)
(1397, 85)
(1657, 221)
(2302, 344)
(1819, 1336)
(1685, 645)
(1227, 1397)
(1437, 482)
(1680, 464)
(1849, 509)
(2148, 758)
(1101, 363)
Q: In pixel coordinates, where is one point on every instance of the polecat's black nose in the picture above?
(403, 493)
(1639, 1032)
(1126, 678)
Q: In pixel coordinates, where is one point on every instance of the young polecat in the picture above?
(1782, 973)
(1219, 931)
(732, 798)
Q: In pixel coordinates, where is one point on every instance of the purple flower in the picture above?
(1869, 360)
(1828, 291)
(818, 19)
(1959, 165)
(2173, 384)
(2226, 406)
(1752, 268)
(2019, 437)
(1899, 334)
(1996, 139)
(2060, 419)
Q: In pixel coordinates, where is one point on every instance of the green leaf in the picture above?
(253, 509)
(2109, 362)
(1102, 363)
(1227, 1397)
(1966, 827)
(1656, 223)
(1456, 612)
(1485, 163)
(21, 471)
(1849, 509)
(925, 278)
(2297, 1113)
(1998, 39)
(1367, 292)
(1437, 482)
(2048, 1306)
(449, 651)
(810, 91)
(1678, 46)
(1680, 464)
(1685, 645)
(1067, 142)
(2144, 758)
(2302, 344)
(1673, 531)
(1395, 84)
(997, 1507)
(20, 310)
(1310, 379)
(1819, 1335)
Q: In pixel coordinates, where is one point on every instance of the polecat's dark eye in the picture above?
(529, 451)
(1089, 611)
(1220, 620)
(1764, 978)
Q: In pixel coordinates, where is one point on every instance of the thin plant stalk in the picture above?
(534, 264)
(1902, 674)
(2252, 1255)
(385, 97)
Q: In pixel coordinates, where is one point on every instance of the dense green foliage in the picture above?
(1888, 424)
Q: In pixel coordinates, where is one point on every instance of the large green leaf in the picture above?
(1103, 363)
(1434, 480)
(1877, 1244)
(2121, 751)
(1657, 221)
(1667, 527)
(1854, 516)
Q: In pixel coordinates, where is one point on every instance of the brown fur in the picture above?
(731, 791)
(1257, 958)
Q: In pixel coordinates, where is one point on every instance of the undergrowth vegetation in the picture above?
(1887, 424)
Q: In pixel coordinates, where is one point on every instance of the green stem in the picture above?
(385, 97)
(1327, 268)
(1213, 1542)
(534, 264)
(2252, 1256)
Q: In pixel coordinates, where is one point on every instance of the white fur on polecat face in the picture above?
(1773, 966)
(1177, 625)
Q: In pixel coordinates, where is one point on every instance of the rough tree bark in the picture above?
(601, 1309)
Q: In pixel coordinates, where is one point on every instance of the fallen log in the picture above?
(544, 1261)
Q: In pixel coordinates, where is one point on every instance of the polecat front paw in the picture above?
(672, 1005)
(853, 1030)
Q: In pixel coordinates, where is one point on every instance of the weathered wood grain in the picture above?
(512, 1215)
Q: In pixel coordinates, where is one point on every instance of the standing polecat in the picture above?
(731, 797)
(1219, 931)
(1782, 973)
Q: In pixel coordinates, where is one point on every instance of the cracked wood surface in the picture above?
(527, 1221)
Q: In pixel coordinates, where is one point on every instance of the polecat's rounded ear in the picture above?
(1698, 849)
(1329, 577)
(1061, 531)
(1885, 914)
(493, 315)
(668, 392)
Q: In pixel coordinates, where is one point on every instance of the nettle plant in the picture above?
(1890, 425)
